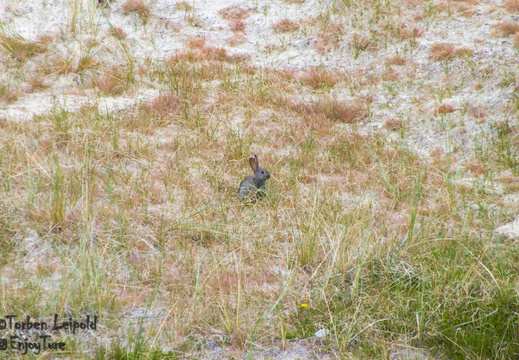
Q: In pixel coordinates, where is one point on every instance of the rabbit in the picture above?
(254, 185)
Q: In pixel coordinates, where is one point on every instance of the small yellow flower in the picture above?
(304, 303)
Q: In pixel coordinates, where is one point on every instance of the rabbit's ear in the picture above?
(253, 161)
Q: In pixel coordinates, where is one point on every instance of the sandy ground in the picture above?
(413, 101)
(168, 30)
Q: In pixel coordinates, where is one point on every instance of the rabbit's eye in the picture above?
(263, 171)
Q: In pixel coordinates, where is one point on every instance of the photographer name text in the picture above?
(11, 323)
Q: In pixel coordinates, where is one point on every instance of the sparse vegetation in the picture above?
(165, 107)
(512, 6)
(238, 25)
(445, 109)
(234, 13)
(236, 39)
(285, 25)
(394, 124)
(447, 52)
(319, 78)
(8, 94)
(118, 33)
(331, 109)
(396, 60)
(112, 82)
(329, 36)
(393, 163)
(184, 6)
(506, 28)
(138, 7)
(477, 111)
(362, 42)
(196, 42)
(37, 83)
(19, 48)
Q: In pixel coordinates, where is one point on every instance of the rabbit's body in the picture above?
(254, 185)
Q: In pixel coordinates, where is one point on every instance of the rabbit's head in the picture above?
(260, 174)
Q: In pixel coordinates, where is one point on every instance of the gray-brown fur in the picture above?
(254, 185)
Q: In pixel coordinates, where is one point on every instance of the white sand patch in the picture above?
(510, 230)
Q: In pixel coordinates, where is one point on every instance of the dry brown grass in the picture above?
(183, 6)
(445, 109)
(57, 64)
(46, 39)
(8, 95)
(234, 13)
(442, 52)
(406, 32)
(448, 52)
(329, 36)
(332, 109)
(21, 49)
(396, 60)
(394, 124)
(511, 182)
(464, 52)
(204, 53)
(37, 83)
(325, 42)
(477, 85)
(183, 56)
(285, 25)
(214, 53)
(477, 111)
(237, 26)
(195, 42)
(466, 9)
(139, 7)
(506, 28)
(236, 39)
(318, 78)
(361, 42)
(164, 107)
(86, 63)
(469, 2)
(390, 75)
(512, 6)
(477, 169)
(112, 82)
(273, 47)
(118, 33)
